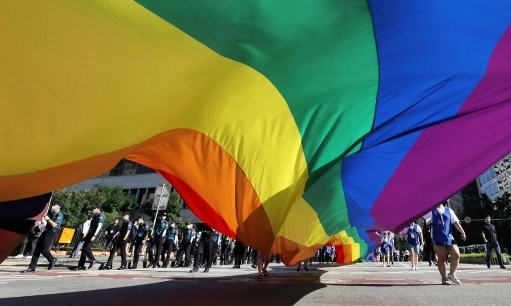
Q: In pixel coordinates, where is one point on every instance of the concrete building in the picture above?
(135, 179)
(497, 179)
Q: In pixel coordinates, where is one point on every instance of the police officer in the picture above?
(214, 245)
(199, 250)
(185, 246)
(121, 239)
(140, 240)
(168, 245)
(47, 238)
(157, 239)
(98, 219)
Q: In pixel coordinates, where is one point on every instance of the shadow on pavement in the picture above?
(277, 289)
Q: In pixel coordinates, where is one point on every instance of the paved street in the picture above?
(359, 284)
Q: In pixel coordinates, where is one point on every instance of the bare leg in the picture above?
(455, 257)
(441, 255)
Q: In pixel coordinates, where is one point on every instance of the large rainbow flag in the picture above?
(285, 124)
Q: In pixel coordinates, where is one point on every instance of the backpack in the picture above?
(79, 230)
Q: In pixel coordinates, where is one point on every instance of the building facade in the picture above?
(134, 179)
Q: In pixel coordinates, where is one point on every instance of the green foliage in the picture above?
(173, 206)
(479, 255)
(79, 204)
(479, 208)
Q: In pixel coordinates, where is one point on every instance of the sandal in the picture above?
(260, 276)
(265, 273)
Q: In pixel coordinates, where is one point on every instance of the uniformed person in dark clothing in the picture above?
(202, 244)
(185, 246)
(47, 238)
(121, 239)
(214, 236)
(157, 239)
(490, 238)
(239, 251)
(168, 245)
(98, 219)
(140, 239)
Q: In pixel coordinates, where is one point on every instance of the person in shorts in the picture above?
(442, 220)
(415, 241)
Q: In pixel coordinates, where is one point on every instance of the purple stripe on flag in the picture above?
(447, 156)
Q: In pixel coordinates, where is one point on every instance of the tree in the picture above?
(479, 208)
(173, 206)
(79, 203)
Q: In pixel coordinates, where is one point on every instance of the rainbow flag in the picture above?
(285, 124)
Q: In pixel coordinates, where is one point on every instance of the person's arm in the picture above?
(484, 237)
(127, 232)
(463, 235)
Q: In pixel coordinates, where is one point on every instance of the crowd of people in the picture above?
(162, 241)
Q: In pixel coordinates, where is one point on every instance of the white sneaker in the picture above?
(18, 256)
(28, 257)
(413, 268)
(453, 279)
(416, 268)
(446, 281)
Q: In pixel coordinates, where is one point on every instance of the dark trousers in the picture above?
(158, 243)
(119, 244)
(184, 248)
(208, 252)
(43, 247)
(167, 248)
(238, 256)
(429, 253)
(255, 255)
(138, 247)
(197, 258)
(86, 250)
(33, 243)
(493, 245)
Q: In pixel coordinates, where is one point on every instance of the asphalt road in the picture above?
(358, 284)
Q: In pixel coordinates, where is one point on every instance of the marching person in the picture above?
(83, 230)
(415, 241)
(490, 238)
(98, 219)
(168, 245)
(140, 240)
(157, 239)
(32, 237)
(121, 239)
(47, 238)
(109, 235)
(185, 246)
(442, 219)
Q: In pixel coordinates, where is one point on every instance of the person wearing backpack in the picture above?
(121, 239)
(415, 241)
(81, 231)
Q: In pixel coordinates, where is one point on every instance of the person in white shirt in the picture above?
(441, 219)
(82, 231)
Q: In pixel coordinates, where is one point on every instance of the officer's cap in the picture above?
(60, 204)
(141, 217)
(127, 213)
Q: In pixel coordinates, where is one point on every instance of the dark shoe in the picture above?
(80, 268)
(164, 266)
(108, 267)
(29, 270)
(298, 269)
(92, 264)
(502, 267)
(206, 270)
(121, 268)
(430, 264)
(194, 270)
(254, 266)
(134, 267)
(306, 269)
(52, 263)
(488, 264)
